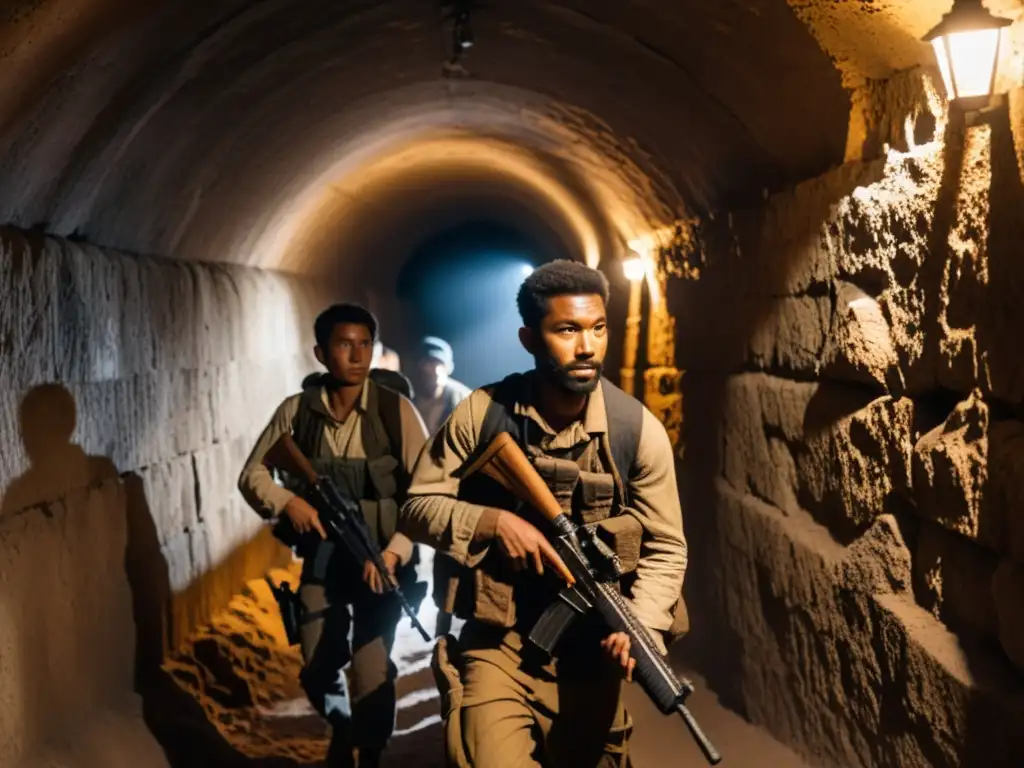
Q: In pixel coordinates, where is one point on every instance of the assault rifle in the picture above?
(594, 571)
(340, 516)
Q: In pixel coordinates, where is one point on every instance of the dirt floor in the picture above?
(235, 701)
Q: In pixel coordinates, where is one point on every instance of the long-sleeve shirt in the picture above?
(345, 439)
(433, 514)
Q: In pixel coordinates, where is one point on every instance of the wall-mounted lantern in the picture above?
(966, 44)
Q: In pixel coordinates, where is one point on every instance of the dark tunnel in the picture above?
(823, 310)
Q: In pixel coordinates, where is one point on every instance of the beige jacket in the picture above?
(269, 499)
(433, 515)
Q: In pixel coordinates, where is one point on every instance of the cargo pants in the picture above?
(503, 711)
(363, 717)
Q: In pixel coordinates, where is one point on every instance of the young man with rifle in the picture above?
(558, 454)
(346, 448)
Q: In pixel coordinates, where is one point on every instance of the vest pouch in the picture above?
(597, 495)
(493, 599)
(623, 534)
(382, 519)
(560, 475)
(382, 471)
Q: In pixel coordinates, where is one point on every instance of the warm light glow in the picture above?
(966, 43)
(361, 176)
(973, 56)
(634, 268)
(643, 249)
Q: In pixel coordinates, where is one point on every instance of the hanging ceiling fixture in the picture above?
(966, 44)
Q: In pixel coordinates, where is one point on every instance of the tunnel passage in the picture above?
(184, 184)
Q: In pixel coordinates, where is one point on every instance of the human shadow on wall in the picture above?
(52, 536)
(46, 419)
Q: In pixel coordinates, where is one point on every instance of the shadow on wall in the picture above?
(804, 522)
(86, 592)
(67, 634)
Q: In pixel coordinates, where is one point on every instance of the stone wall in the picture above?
(854, 454)
(131, 390)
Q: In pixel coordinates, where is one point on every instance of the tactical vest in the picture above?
(590, 482)
(378, 482)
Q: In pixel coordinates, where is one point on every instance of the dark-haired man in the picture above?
(367, 438)
(610, 463)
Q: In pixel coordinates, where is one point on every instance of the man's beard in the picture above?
(562, 376)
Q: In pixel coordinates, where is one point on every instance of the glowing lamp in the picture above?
(634, 269)
(966, 44)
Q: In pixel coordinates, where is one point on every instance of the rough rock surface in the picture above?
(854, 430)
(132, 389)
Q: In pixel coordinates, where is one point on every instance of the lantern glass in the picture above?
(634, 269)
(967, 61)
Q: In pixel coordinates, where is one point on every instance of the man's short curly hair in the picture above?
(338, 314)
(557, 278)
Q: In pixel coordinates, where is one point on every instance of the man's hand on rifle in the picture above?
(527, 547)
(372, 577)
(617, 646)
(304, 518)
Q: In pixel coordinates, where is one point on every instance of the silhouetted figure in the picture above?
(47, 418)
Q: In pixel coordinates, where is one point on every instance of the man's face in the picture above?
(348, 354)
(571, 343)
(433, 374)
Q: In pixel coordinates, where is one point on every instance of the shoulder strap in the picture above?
(498, 417)
(625, 416)
(389, 407)
(308, 426)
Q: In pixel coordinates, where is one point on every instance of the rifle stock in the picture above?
(505, 462)
(286, 456)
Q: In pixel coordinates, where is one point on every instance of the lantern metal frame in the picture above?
(968, 16)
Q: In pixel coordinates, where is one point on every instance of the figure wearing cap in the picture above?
(437, 393)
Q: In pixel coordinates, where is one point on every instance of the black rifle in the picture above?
(341, 517)
(593, 575)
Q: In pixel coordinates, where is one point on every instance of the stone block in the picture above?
(854, 455)
(879, 561)
(951, 472)
(844, 674)
(171, 495)
(953, 579)
(227, 521)
(790, 334)
(1008, 593)
(860, 347)
(760, 414)
(969, 476)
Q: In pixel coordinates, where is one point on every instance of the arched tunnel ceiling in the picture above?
(223, 129)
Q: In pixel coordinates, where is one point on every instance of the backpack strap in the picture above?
(307, 425)
(389, 408)
(500, 414)
(625, 416)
